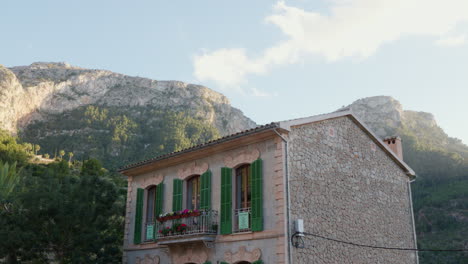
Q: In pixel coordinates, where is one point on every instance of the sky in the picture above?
(274, 60)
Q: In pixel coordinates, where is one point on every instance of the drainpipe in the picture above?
(288, 214)
(412, 220)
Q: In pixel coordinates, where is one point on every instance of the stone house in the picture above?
(238, 199)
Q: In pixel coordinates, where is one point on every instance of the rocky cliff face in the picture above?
(34, 92)
(386, 117)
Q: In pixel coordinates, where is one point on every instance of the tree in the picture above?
(46, 155)
(37, 148)
(76, 217)
(62, 153)
(9, 178)
(28, 147)
(70, 156)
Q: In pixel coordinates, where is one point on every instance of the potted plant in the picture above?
(165, 231)
(179, 228)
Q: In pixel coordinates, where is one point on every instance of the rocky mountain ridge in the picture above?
(31, 93)
(386, 117)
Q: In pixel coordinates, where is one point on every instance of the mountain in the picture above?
(121, 119)
(108, 115)
(440, 192)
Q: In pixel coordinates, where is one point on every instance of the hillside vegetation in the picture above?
(118, 136)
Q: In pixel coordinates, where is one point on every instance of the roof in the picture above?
(203, 145)
(286, 125)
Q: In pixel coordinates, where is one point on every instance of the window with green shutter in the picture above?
(205, 192)
(256, 172)
(138, 216)
(226, 201)
(177, 195)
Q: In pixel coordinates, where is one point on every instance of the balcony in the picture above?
(199, 226)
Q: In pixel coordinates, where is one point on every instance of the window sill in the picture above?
(239, 233)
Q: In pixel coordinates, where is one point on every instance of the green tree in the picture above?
(11, 151)
(76, 217)
(9, 179)
(36, 148)
(61, 153)
(70, 156)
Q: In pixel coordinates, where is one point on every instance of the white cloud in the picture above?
(452, 41)
(352, 28)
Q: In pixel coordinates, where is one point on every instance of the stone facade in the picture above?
(345, 187)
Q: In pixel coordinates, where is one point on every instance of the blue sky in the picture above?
(274, 60)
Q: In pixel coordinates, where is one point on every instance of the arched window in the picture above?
(193, 193)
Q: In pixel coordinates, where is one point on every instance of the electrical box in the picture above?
(299, 227)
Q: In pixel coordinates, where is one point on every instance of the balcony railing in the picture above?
(204, 223)
(243, 219)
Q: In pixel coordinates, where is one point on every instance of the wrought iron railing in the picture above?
(242, 220)
(204, 223)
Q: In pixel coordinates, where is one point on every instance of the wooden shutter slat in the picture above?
(226, 201)
(256, 169)
(138, 216)
(177, 195)
(158, 208)
(205, 192)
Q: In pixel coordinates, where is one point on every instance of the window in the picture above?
(243, 193)
(247, 201)
(150, 204)
(243, 198)
(193, 193)
(150, 217)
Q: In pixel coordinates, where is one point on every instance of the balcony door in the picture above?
(243, 198)
(193, 193)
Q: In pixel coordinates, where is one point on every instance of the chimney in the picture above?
(394, 143)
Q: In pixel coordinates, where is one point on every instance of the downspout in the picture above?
(288, 214)
(412, 219)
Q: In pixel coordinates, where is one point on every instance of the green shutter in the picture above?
(177, 195)
(207, 262)
(159, 200)
(226, 201)
(222, 262)
(158, 205)
(205, 190)
(256, 179)
(138, 216)
(258, 262)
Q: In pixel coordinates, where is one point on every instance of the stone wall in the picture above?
(345, 187)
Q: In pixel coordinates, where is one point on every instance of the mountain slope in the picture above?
(33, 92)
(109, 116)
